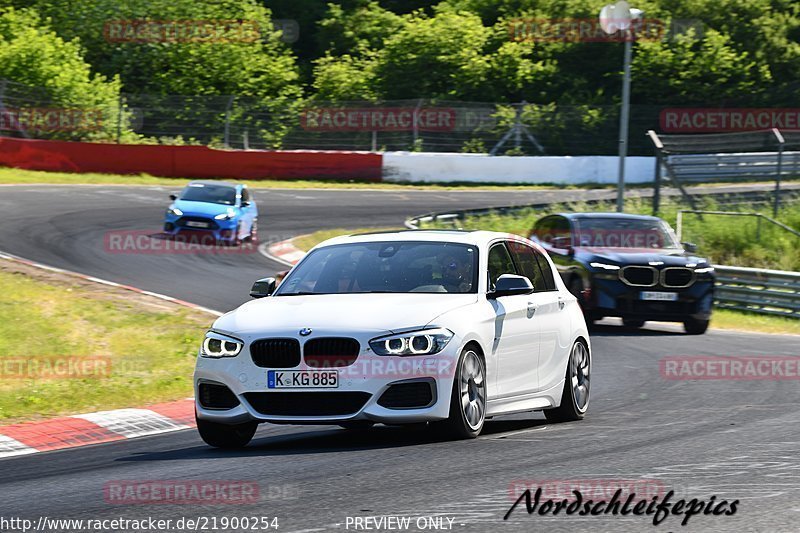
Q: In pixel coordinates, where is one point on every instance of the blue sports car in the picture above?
(224, 210)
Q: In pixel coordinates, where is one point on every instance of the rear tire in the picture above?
(468, 398)
(226, 435)
(575, 397)
(695, 327)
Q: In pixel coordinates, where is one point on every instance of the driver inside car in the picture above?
(456, 273)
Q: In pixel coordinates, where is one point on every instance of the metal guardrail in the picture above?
(770, 292)
(703, 168)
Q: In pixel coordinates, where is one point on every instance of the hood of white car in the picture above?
(345, 312)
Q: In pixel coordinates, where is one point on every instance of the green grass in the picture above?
(152, 349)
(307, 242)
(19, 176)
(730, 319)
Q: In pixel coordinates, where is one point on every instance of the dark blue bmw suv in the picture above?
(629, 266)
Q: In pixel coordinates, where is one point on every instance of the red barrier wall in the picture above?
(187, 161)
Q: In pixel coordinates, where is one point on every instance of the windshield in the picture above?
(390, 267)
(215, 194)
(624, 233)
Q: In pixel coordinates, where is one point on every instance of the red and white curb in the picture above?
(102, 426)
(95, 428)
(284, 252)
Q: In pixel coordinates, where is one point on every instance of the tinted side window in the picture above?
(543, 231)
(245, 195)
(499, 263)
(553, 231)
(547, 272)
(527, 264)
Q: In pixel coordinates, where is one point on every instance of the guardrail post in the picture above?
(779, 169)
(657, 185)
(658, 147)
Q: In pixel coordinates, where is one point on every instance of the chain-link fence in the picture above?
(241, 122)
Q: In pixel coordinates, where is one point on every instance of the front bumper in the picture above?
(361, 387)
(613, 298)
(217, 230)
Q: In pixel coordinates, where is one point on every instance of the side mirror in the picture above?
(245, 204)
(511, 285)
(173, 197)
(263, 287)
(690, 247)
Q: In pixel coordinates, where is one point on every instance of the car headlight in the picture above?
(422, 342)
(217, 345)
(604, 266)
(704, 270)
(174, 211)
(223, 216)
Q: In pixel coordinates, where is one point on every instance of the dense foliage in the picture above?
(739, 53)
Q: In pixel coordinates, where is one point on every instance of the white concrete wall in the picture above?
(443, 167)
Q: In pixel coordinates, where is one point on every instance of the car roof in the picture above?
(213, 182)
(475, 237)
(622, 216)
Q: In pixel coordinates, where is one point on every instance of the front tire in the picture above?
(468, 398)
(253, 237)
(575, 397)
(225, 435)
(695, 327)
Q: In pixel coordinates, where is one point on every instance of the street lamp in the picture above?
(614, 18)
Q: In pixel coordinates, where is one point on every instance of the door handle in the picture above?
(560, 303)
(531, 309)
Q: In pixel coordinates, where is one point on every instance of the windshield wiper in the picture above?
(301, 293)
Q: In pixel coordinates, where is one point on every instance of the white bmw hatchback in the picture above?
(445, 327)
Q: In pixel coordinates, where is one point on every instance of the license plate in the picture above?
(302, 379)
(195, 224)
(659, 296)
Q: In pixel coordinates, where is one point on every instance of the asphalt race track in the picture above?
(736, 440)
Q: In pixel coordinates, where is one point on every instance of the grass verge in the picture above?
(48, 317)
(307, 242)
(738, 320)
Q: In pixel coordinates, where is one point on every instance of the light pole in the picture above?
(614, 18)
(623, 125)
